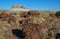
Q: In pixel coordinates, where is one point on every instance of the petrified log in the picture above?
(24, 15)
(57, 14)
(11, 19)
(29, 13)
(4, 16)
(33, 13)
(32, 31)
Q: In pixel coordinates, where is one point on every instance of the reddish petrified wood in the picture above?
(4, 16)
(32, 31)
(57, 14)
(24, 15)
(29, 13)
(33, 13)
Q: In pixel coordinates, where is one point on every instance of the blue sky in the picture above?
(31, 4)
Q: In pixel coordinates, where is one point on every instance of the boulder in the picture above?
(57, 14)
(33, 13)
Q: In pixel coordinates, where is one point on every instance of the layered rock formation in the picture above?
(18, 8)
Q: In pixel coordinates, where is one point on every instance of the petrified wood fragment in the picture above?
(57, 14)
(32, 31)
(24, 15)
(33, 13)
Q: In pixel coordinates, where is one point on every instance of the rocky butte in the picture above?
(18, 8)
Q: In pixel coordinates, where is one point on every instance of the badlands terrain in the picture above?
(29, 24)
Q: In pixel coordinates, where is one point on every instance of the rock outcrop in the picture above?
(18, 8)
